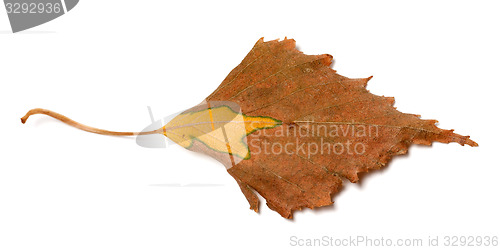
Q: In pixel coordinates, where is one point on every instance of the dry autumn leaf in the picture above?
(288, 127)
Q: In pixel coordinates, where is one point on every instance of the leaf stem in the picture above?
(84, 127)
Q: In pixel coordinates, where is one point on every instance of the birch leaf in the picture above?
(288, 127)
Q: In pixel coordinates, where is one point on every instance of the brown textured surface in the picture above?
(302, 91)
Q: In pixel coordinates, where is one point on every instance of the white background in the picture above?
(104, 62)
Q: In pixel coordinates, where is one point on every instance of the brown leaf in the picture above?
(317, 107)
(288, 127)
